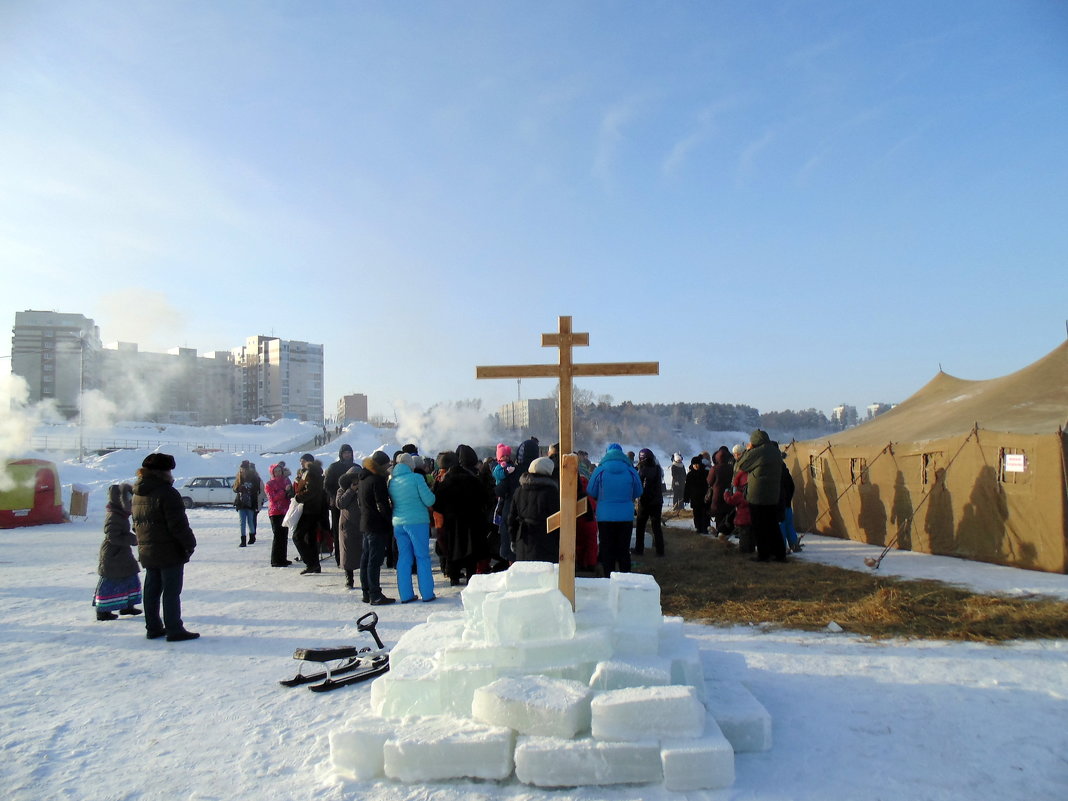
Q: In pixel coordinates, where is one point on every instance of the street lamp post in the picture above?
(81, 396)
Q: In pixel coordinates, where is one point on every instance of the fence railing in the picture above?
(67, 443)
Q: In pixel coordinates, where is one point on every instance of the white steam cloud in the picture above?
(444, 426)
(18, 421)
(142, 315)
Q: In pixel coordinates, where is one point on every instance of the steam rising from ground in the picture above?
(444, 426)
(136, 314)
(18, 420)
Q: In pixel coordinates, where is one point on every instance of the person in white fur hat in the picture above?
(537, 497)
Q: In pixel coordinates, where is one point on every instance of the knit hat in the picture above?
(615, 446)
(409, 448)
(379, 458)
(696, 461)
(244, 462)
(467, 456)
(503, 451)
(542, 466)
(676, 457)
(307, 458)
(345, 479)
(406, 458)
(645, 455)
(158, 461)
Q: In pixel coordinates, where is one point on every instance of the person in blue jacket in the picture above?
(412, 499)
(615, 485)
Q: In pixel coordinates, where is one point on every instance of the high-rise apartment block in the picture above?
(60, 356)
(57, 354)
(174, 387)
(534, 417)
(352, 409)
(280, 378)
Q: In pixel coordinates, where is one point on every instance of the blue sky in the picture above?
(788, 204)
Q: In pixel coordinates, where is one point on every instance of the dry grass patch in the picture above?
(704, 580)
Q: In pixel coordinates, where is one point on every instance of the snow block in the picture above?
(504, 657)
(512, 618)
(356, 751)
(426, 639)
(588, 646)
(742, 718)
(617, 674)
(411, 688)
(635, 599)
(686, 665)
(457, 686)
(531, 576)
(592, 592)
(445, 617)
(534, 705)
(593, 616)
(645, 713)
(437, 748)
(706, 763)
(552, 762)
(479, 587)
(670, 632)
(635, 640)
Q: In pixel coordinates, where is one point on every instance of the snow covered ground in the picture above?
(92, 710)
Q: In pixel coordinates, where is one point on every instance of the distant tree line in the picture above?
(598, 419)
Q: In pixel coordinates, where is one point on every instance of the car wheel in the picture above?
(187, 502)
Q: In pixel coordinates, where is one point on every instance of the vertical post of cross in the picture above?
(565, 339)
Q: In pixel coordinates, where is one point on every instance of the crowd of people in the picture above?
(481, 515)
(744, 492)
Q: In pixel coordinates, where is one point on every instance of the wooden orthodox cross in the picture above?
(565, 339)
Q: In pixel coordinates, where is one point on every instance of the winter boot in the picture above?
(105, 615)
(130, 610)
(180, 635)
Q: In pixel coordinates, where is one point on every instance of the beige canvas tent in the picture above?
(975, 469)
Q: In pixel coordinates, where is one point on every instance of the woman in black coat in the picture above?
(464, 502)
(719, 479)
(536, 499)
(350, 535)
(165, 542)
(694, 494)
(119, 588)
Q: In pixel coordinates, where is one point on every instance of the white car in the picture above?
(207, 490)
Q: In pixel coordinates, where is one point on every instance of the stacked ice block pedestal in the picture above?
(519, 684)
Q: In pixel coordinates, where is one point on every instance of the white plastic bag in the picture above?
(292, 514)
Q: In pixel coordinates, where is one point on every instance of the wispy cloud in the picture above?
(748, 158)
(705, 126)
(609, 136)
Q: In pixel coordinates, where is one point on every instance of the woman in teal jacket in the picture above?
(615, 485)
(412, 500)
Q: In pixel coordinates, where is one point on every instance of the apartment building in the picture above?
(279, 378)
(61, 356)
(58, 355)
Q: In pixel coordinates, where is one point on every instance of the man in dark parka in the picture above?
(763, 462)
